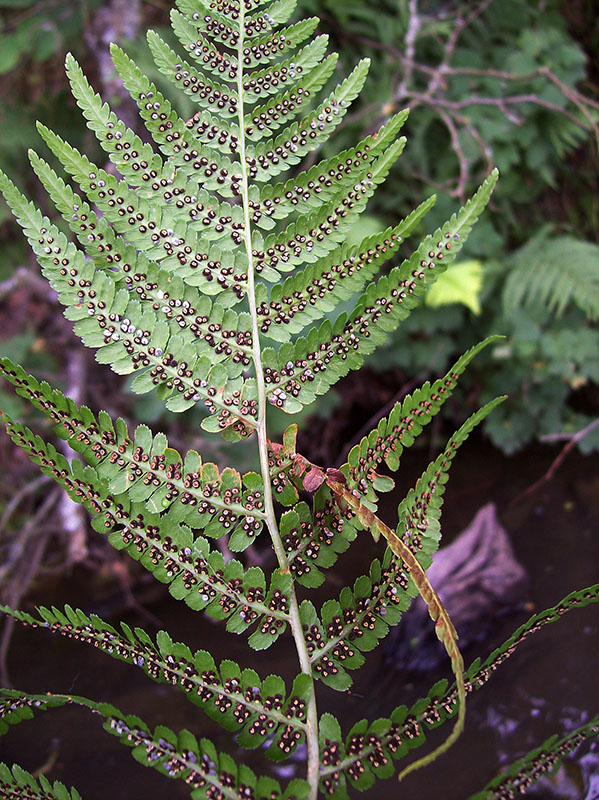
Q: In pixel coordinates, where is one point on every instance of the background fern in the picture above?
(180, 258)
(555, 271)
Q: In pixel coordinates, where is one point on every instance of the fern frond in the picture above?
(263, 83)
(526, 771)
(196, 322)
(554, 271)
(310, 190)
(176, 755)
(237, 699)
(141, 167)
(258, 85)
(166, 548)
(370, 747)
(327, 354)
(313, 237)
(143, 465)
(362, 616)
(270, 157)
(17, 784)
(153, 273)
(307, 296)
(405, 422)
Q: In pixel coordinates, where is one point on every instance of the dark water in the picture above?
(550, 684)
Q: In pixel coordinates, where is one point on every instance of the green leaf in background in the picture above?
(554, 271)
(460, 284)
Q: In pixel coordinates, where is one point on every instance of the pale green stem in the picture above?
(271, 520)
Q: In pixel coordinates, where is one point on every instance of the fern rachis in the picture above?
(207, 275)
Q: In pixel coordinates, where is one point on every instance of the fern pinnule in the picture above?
(18, 784)
(404, 423)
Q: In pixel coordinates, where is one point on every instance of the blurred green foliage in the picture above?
(489, 82)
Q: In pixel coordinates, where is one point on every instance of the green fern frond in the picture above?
(362, 616)
(526, 771)
(176, 755)
(193, 572)
(347, 628)
(196, 160)
(555, 271)
(373, 746)
(17, 784)
(172, 270)
(405, 422)
(238, 699)
(298, 373)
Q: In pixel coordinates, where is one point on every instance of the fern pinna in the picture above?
(205, 267)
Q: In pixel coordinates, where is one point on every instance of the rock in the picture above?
(477, 578)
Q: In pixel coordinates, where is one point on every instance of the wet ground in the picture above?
(549, 685)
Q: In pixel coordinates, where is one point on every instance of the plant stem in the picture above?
(271, 520)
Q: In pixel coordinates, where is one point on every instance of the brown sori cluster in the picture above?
(9, 705)
(201, 770)
(208, 132)
(273, 113)
(268, 47)
(221, 32)
(231, 9)
(173, 252)
(278, 463)
(320, 182)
